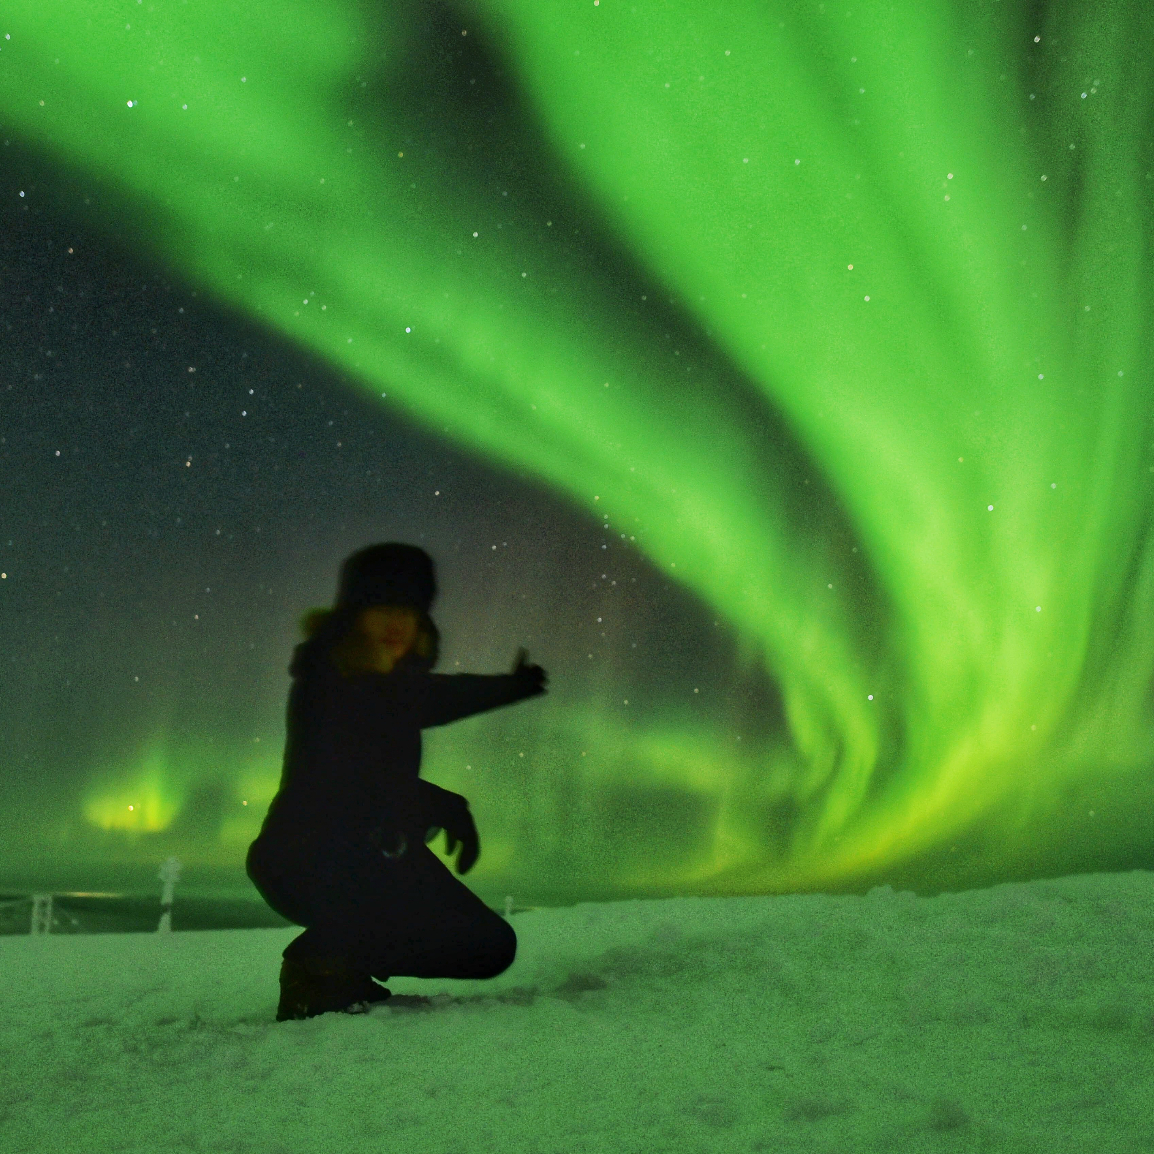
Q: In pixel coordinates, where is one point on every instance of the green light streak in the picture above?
(981, 421)
(140, 800)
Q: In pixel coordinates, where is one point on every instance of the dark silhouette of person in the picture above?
(342, 850)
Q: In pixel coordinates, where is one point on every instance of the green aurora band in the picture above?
(916, 236)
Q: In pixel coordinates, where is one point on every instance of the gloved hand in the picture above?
(534, 676)
(450, 811)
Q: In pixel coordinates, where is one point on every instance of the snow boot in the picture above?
(311, 986)
(373, 993)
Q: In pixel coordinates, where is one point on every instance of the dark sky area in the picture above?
(179, 485)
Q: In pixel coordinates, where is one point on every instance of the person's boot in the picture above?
(371, 992)
(311, 986)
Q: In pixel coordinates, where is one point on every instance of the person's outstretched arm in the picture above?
(452, 696)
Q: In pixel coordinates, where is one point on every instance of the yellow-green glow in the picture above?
(144, 799)
(253, 787)
(917, 233)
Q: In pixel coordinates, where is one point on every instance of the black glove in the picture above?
(534, 677)
(450, 811)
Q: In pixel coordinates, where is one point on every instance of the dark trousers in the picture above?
(400, 917)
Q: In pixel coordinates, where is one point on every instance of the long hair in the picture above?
(330, 632)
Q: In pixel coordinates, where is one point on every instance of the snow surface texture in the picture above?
(1018, 1018)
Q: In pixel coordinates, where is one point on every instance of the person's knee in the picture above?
(502, 954)
(279, 894)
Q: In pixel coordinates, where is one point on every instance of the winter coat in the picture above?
(353, 753)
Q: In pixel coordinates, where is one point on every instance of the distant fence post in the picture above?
(41, 914)
(169, 873)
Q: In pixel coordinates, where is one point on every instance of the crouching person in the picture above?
(342, 850)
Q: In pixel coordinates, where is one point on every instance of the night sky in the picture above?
(180, 486)
(778, 375)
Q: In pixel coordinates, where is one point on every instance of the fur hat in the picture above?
(387, 574)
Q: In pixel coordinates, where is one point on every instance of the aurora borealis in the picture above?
(838, 320)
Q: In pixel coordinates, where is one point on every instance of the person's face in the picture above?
(390, 627)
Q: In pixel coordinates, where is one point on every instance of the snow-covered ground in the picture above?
(1018, 1018)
